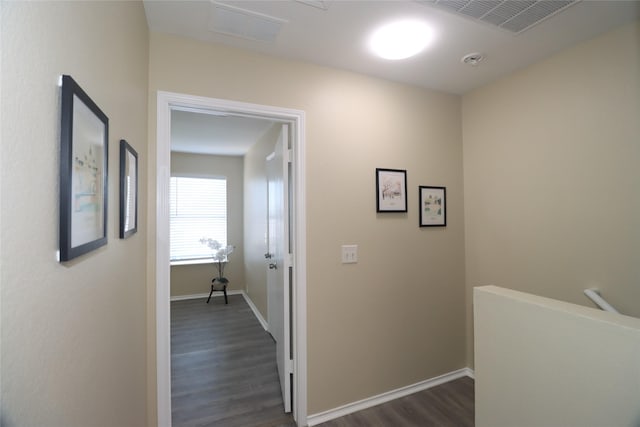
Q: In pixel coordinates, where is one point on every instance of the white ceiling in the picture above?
(336, 35)
(202, 133)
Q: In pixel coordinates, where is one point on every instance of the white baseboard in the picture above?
(196, 296)
(470, 373)
(350, 408)
(255, 310)
(184, 297)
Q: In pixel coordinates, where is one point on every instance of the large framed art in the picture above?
(84, 137)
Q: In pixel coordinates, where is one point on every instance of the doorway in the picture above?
(166, 102)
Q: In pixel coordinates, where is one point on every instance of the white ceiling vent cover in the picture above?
(515, 16)
(318, 4)
(247, 24)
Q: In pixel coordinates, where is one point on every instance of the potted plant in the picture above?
(220, 257)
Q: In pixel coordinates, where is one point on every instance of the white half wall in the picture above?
(542, 362)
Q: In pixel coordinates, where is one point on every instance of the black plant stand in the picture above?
(222, 286)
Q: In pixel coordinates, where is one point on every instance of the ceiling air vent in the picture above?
(318, 4)
(247, 24)
(515, 16)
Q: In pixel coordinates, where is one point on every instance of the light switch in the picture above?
(349, 254)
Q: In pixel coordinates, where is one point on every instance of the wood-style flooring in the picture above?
(447, 405)
(223, 373)
(223, 367)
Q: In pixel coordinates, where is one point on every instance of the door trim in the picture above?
(167, 101)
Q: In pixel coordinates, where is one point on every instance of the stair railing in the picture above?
(594, 295)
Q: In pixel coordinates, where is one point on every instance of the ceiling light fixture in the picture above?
(401, 39)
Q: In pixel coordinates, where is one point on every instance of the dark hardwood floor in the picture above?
(223, 373)
(223, 367)
(447, 405)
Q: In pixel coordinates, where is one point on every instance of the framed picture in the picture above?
(433, 206)
(84, 140)
(128, 190)
(391, 190)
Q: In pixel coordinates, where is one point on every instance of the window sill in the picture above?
(193, 261)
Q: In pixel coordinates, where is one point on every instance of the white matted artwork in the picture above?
(433, 206)
(86, 175)
(128, 190)
(83, 172)
(391, 190)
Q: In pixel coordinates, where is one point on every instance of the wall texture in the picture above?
(196, 279)
(73, 334)
(396, 317)
(551, 176)
(255, 218)
(543, 362)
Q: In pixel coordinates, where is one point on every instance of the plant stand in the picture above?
(219, 286)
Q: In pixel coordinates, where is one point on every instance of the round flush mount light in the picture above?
(401, 39)
(472, 59)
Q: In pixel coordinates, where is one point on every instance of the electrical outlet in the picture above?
(349, 254)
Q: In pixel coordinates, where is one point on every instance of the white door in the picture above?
(278, 261)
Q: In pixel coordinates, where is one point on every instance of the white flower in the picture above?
(220, 253)
(213, 244)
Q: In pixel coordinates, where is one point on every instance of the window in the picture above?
(198, 208)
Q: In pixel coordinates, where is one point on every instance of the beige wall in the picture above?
(543, 362)
(551, 173)
(255, 218)
(396, 317)
(196, 279)
(73, 334)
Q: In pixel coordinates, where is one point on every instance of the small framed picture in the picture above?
(84, 136)
(433, 206)
(391, 190)
(128, 190)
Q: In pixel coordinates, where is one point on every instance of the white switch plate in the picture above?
(349, 254)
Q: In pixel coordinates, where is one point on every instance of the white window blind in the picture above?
(198, 208)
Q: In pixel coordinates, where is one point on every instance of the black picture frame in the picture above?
(128, 190)
(433, 206)
(84, 149)
(391, 190)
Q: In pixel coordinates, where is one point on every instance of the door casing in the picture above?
(167, 101)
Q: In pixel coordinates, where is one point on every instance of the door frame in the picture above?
(167, 101)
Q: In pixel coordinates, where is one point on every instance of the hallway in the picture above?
(223, 373)
(223, 367)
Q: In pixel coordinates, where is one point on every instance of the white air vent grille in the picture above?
(318, 4)
(515, 16)
(247, 24)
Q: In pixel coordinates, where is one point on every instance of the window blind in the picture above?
(198, 208)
